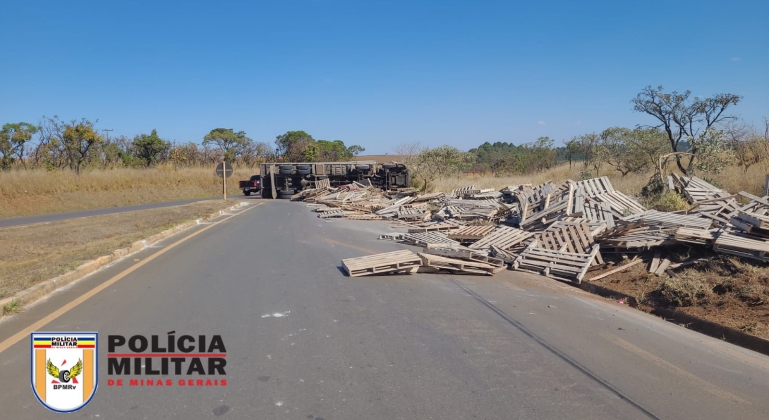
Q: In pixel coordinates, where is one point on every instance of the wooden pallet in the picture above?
(754, 219)
(645, 239)
(669, 220)
(596, 228)
(567, 266)
(621, 204)
(696, 236)
(734, 243)
(596, 186)
(403, 261)
(331, 213)
(471, 233)
(391, 236)
(412, 214)
(363, 217)
(504, 255)
(459, 192)
(457, 266)
(503, 237)
(444, 226)
(575, 238)
(598, 212)
(427, 239)
(467, 255)
(323, 183)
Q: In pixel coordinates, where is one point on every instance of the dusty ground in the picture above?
(725, 290)
(29, 254)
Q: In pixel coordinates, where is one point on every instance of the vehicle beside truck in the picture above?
(253, 185)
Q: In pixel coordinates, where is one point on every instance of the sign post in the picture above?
(224, 171)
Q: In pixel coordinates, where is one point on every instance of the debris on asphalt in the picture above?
(562, 231)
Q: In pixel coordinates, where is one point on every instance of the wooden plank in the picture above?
(662, 267)
(616, 270)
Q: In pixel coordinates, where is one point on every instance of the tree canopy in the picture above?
(149, 148)
(228, 141)
(682, 118)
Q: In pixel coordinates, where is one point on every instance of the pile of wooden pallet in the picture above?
(557, 230)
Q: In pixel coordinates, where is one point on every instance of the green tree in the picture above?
(440, 162)
(228, 141)
(13, 138)
(355, 150)
(149, 148)
(685, 120)
(78, 138)
(332, 151)
(291, 145)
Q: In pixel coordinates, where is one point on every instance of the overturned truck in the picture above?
(284, 179)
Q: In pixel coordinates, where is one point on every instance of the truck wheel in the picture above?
(389, 166)
(246, 193)
(286, 170)
(303, 169)
(285, 194)
(362, 167)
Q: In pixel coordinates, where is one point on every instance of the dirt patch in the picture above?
(29, 254)
(724, 290)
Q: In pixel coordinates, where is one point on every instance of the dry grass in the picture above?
(732, 179)
(45, 250)
(24, 193)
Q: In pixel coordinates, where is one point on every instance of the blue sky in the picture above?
(375, 73)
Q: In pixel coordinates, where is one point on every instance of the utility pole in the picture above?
(106, 132)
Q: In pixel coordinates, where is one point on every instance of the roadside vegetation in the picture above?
(45, 250)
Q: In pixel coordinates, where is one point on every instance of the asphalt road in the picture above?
(392, 347)
(56, 217)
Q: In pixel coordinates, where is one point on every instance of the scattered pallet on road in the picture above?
(403, 261)
(466, 254)
(457, 266)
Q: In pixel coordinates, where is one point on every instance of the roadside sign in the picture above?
(224, 168)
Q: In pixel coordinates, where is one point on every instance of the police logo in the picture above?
(64, 369)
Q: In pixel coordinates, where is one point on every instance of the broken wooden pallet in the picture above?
(567, 266)
(669, 220)
(429, 239)
(503, 237)
(741, 245)
(457, 266)
(505, 255)
(696, 236)
(403, 261)
(467, 255)
(471, 233)
(412, 214)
